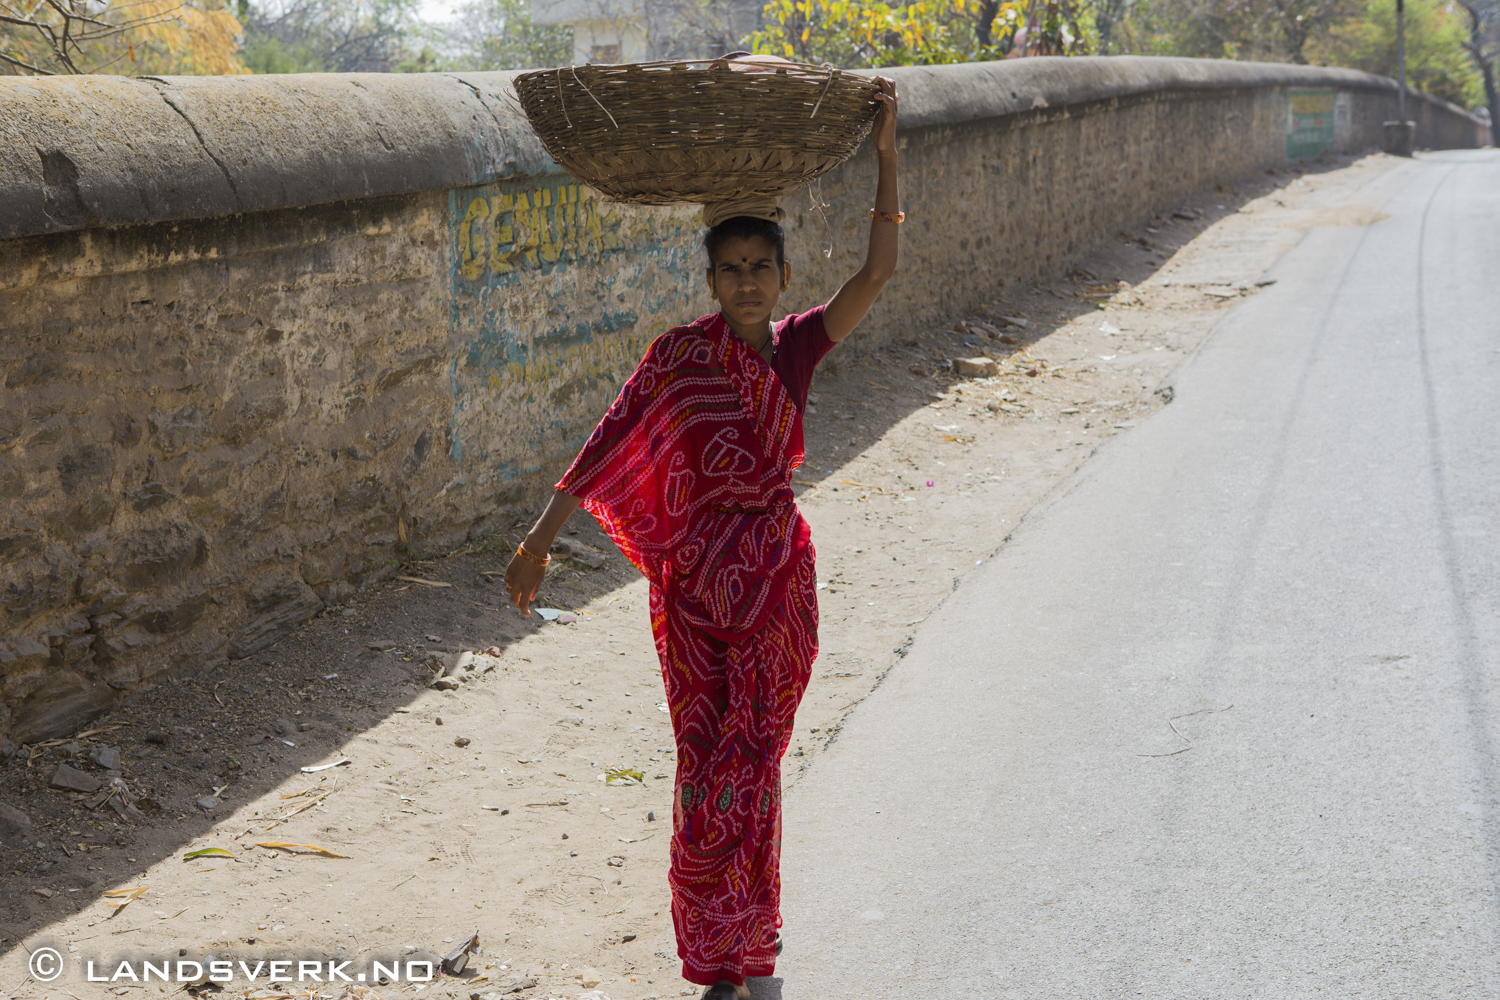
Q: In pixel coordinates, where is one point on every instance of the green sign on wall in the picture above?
(1310, 119)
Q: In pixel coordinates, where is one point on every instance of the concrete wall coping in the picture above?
(104, 151)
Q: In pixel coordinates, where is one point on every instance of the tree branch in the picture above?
(25, 65)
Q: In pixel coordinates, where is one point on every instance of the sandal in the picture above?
(778, 944)
(722, 990)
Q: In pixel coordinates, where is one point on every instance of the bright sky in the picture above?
(436, 11)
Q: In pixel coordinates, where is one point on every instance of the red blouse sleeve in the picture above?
(801, 342)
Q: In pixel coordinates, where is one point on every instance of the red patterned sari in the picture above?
(690, 474)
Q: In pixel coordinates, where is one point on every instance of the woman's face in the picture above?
(746, 280)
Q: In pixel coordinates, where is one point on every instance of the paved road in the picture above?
(1310, 533)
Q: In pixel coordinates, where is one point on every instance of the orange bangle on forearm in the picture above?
(532, 557)
(896, 217)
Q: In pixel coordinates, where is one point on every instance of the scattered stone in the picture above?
(157, 736)
(444, 684)
(1019, 321)
(461, 741)
(976, 367)
(456, 664)
(433, 638)
(106, 757)
(1006, 338)
(208, 802)
(349, 612)
(13, 822)
(578, 552)
(570, 720)
(590, 977)
(651, 817)
(438, 719)
(627, 939)
(44, 893)
(70, 779)
(277, 606)
(513, 985)
(380, 645)
(616, 862)
(456, 960)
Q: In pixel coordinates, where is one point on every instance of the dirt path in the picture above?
(485, 806)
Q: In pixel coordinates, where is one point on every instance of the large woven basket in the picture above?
(666, 133)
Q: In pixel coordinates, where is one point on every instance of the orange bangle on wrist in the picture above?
(896, 217)
(532, 558)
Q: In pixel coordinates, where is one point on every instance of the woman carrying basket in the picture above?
(690, 474)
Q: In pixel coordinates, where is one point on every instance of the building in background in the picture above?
(615, 31)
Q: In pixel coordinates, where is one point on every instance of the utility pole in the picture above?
(1400, 136)
(1401, 58)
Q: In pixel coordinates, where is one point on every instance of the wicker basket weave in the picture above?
(667, 133)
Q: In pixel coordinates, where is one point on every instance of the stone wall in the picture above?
(260, 337)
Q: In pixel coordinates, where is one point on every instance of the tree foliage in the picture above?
(1264, 30)
(500, 34)
(869, 33)
(328, 36)
(138, 37)
(1436, 62)
(1359, 34)
(1483, 47)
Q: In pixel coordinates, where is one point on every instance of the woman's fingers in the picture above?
(522, 580)
(885, 125)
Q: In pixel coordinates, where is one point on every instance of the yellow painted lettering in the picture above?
(473, 242)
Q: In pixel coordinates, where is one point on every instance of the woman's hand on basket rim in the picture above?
(523, 578)
(885, 123)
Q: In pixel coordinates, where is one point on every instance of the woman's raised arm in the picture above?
(850, 303)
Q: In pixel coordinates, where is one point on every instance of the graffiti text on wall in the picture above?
(525, 226)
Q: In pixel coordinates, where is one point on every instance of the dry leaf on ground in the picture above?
(280, 845)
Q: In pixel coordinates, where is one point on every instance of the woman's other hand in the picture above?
(884, 130)
(523, 578)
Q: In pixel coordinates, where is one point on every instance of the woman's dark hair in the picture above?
(745, 227)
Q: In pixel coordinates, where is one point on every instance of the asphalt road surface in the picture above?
(1304, 549)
